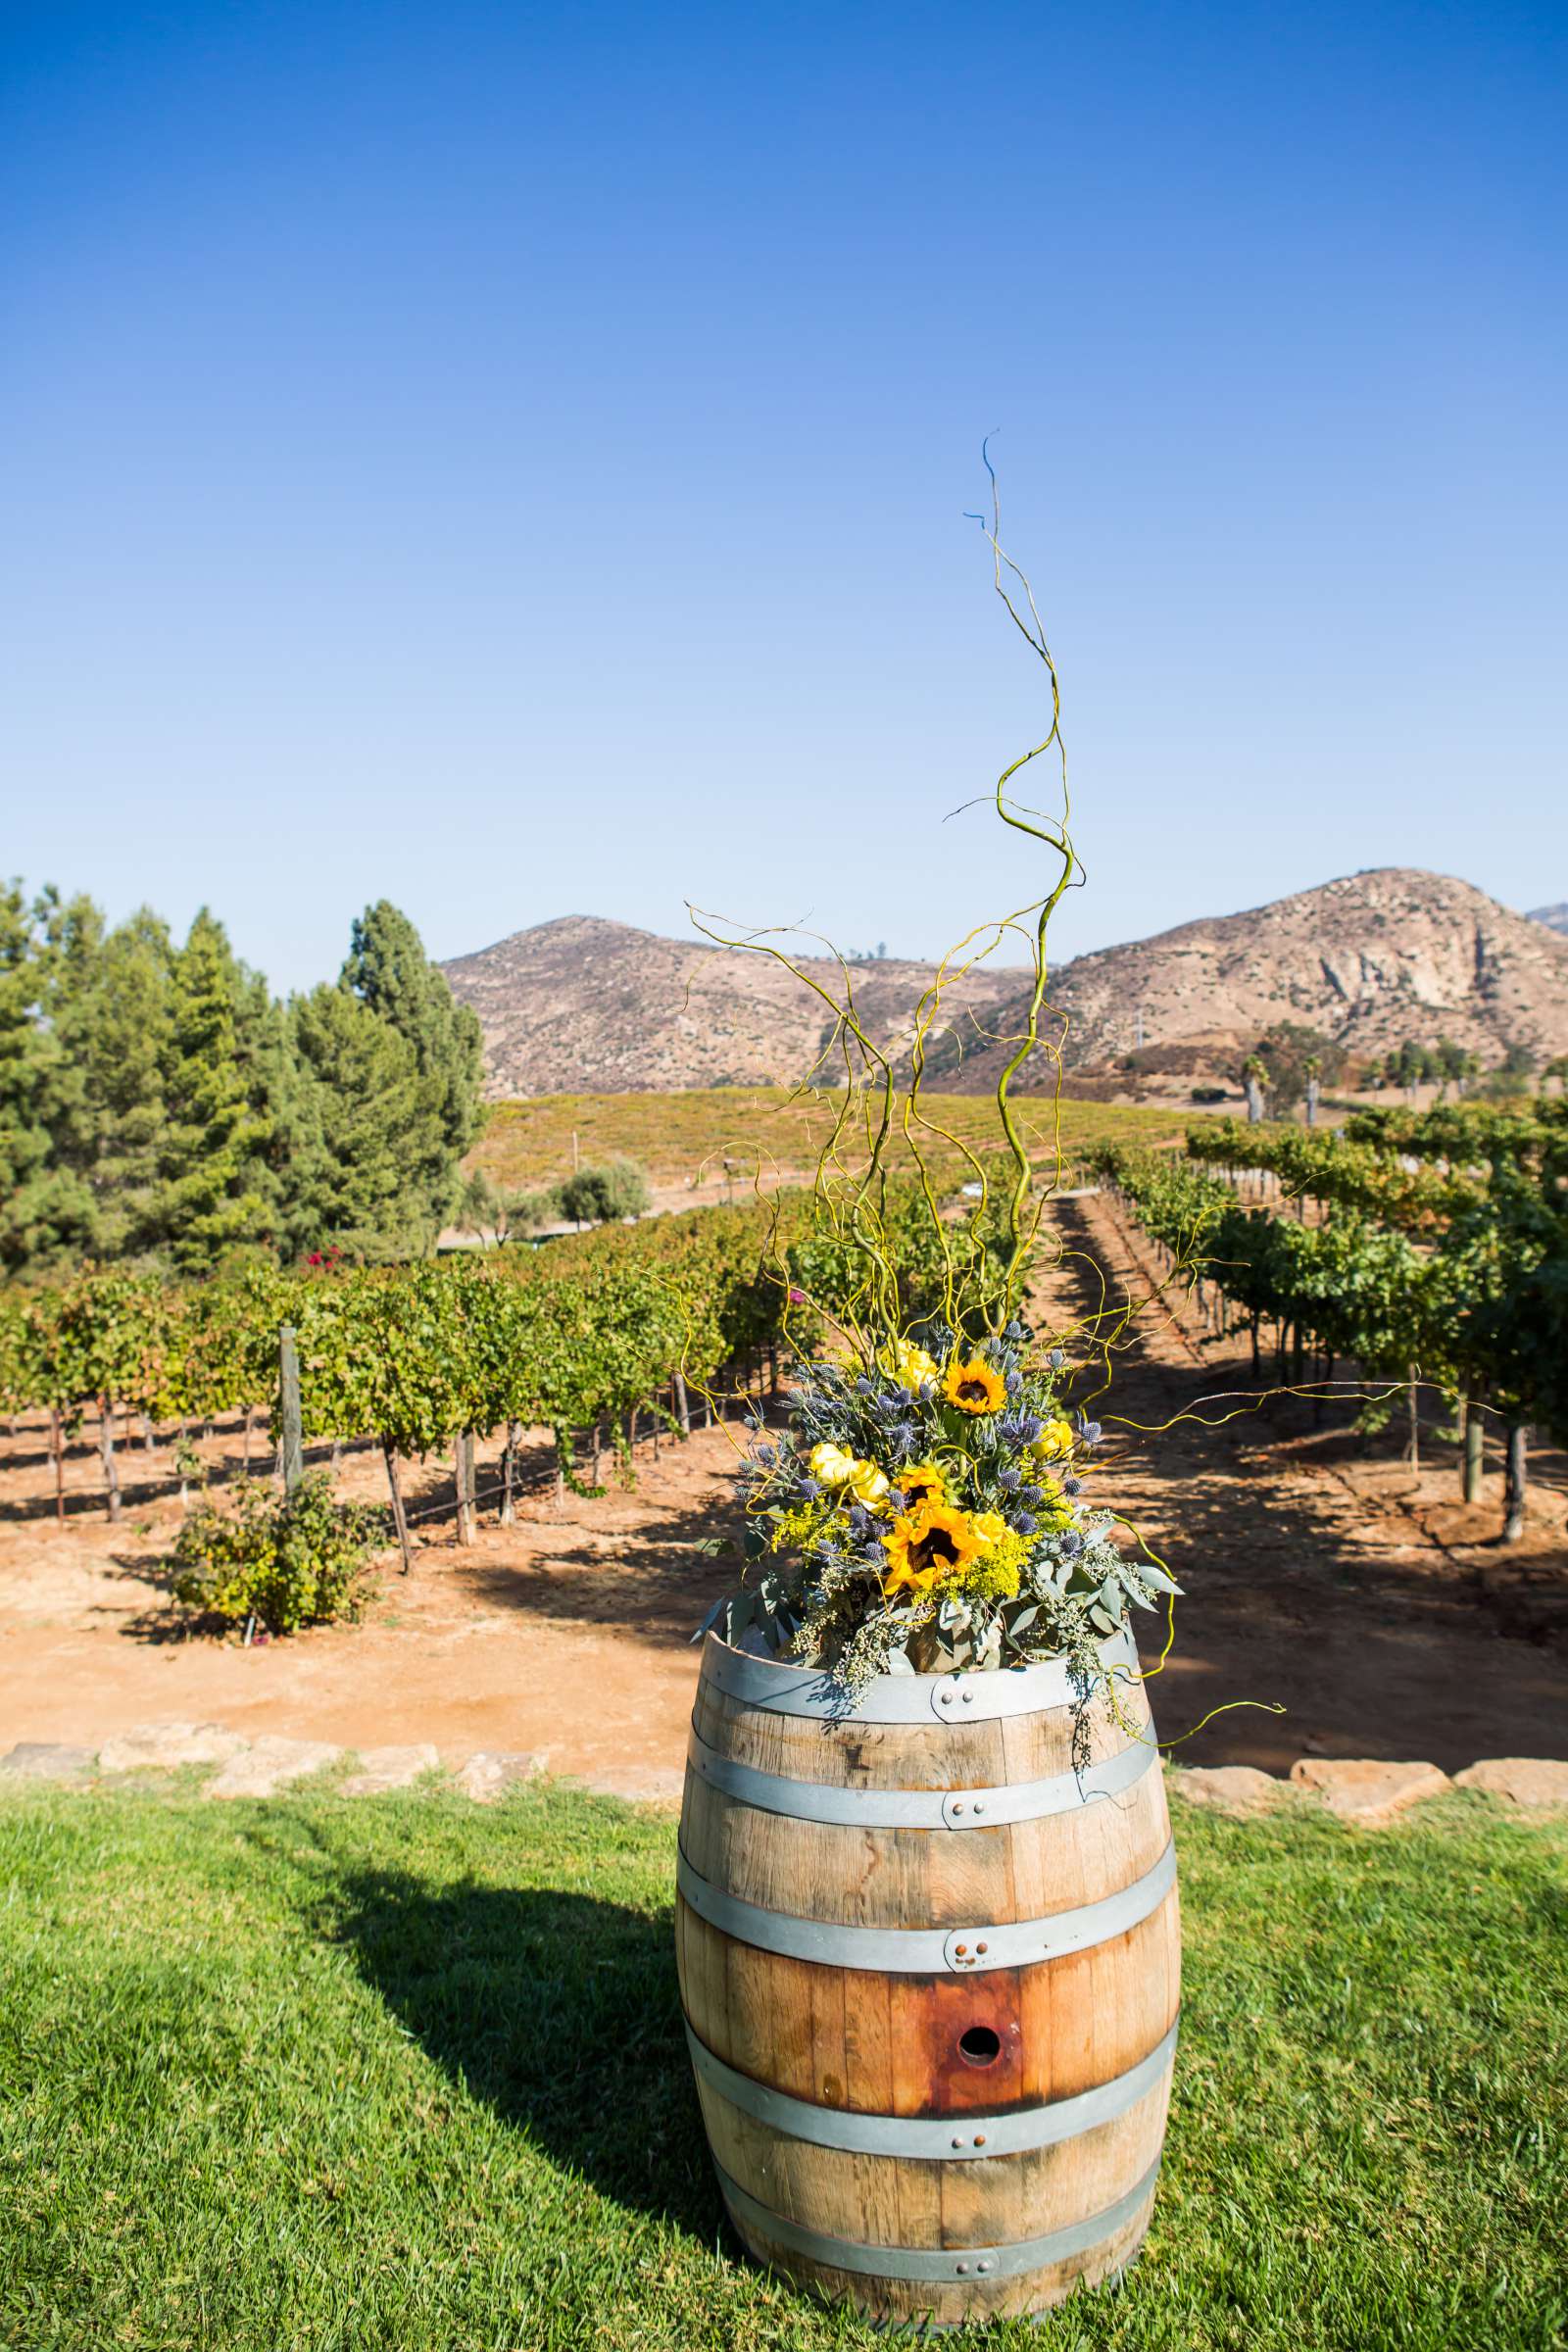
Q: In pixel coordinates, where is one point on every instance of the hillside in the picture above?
(1555, 917)
(581, 1005)
(1368, 960)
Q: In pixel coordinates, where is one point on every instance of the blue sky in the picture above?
(512, 459)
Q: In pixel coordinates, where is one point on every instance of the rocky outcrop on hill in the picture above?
(1370, 961)
(585, 1006)
(582, 1005)
(1556, 918)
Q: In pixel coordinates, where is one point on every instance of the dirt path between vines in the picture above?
(1371, 1604)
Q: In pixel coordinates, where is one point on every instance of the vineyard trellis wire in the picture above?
(1454, 1275)
(583, 1339)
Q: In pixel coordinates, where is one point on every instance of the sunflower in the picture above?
(975, 1387)
(928, 1545)
(924, 1482)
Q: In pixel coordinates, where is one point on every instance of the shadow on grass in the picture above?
(562, 2012)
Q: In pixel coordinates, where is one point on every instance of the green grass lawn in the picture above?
(403, 2071)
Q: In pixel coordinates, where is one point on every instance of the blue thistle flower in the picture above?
(808, 1490)
(1058, 1356)
(1071, 1484)
(1024, 1523)
(1008, 1477)
(1072, 1545)
(1014, 1382)
(1029, 1493)
(1015, 1331)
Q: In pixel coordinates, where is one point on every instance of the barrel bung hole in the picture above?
(978, 2045)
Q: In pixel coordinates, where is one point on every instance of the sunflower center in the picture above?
(934, 1549)
(973, 1391)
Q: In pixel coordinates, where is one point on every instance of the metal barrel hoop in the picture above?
(938, 2265)
(863, 1809)
(930, 1951)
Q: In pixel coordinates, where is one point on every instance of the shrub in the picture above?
(286, 1561)
(600, 1196)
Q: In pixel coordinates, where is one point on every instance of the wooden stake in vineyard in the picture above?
(400, 1519)
(291, 1425)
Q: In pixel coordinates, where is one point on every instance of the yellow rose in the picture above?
(867, 1484)
(1053, 1442)
(830, 1465)
(990, 1527)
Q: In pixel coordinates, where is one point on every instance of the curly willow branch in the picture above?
(882, 1110)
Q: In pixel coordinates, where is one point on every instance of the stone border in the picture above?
(1367, 1791)
(1362, 1790)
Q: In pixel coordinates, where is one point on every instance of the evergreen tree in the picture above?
(45, 1209)
(371, 1134)
(114, 1017)
(212, 1190)
(388, 971)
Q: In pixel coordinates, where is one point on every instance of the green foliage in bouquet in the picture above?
(285, 1560)
(929, 1507)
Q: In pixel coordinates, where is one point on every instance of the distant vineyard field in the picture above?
(673, 1135)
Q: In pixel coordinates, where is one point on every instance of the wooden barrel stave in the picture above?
(865, 2039)
(888, 1876)
(881, 2044)
(895, 2200)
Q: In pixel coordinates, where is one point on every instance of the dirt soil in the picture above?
(1320, 1574)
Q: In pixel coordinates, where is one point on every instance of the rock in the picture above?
(1529, 1780)
(492, 1772)
(164, 1745)
(271, 1764)
(383, 1768)
(1366, 1792)
(1230, 1787)
(46, 1760)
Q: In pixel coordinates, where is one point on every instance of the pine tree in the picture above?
(388, 971)
(45, 1208)
(114, 1021)
(211, 1196)
(371, 1133)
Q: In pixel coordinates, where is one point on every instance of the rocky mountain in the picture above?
(1556, 918)
(585, 1006)
(1369, 960)
(582, 1005)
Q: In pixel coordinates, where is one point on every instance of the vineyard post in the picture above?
(400, 1521)
(106, 1450)
(463, 1481)
(1475, 1439)
(291, 1438)
(1413, 1407)
(57, 1447)
(509, 1471)
(1513, 1526)
(683, 1410)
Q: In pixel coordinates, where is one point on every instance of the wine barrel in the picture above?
(930, 1974)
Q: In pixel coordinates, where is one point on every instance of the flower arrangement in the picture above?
(929, 1507)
